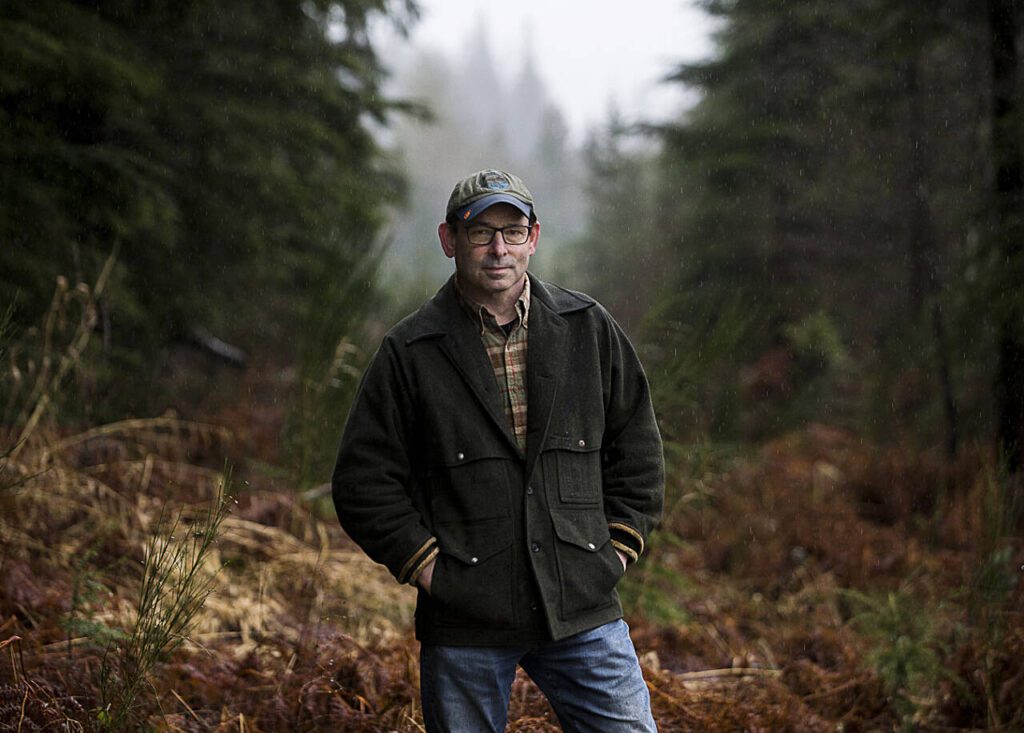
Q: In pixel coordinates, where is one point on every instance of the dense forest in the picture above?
(210, 211)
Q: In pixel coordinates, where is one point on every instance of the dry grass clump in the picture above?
(128, 599)
(302, 632)
(332, 682)
(77, 530)
(884, 588)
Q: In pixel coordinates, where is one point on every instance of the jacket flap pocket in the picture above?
(474, 542)
(581, 443)
(469, 454)
(586, 530)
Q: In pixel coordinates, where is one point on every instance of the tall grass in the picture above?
(995, 580)
(32, 378)
(176, 582)
(316, 425)
(175, 579)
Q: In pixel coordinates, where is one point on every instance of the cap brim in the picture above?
(474, 209)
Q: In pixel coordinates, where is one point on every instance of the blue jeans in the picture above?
(592, 681)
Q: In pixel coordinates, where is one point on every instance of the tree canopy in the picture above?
(221, 149)
(842, 196)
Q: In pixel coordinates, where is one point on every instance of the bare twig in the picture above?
(706, 674)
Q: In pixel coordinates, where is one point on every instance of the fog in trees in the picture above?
(482, 112)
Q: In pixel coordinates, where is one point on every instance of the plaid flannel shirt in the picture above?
(507, 352)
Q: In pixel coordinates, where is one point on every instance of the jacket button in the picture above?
(474, 560)
(590, 545)
(529, 490)
(583, 443)
(460, 456)
(535, 547)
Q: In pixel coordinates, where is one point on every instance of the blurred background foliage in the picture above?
(220, 149)
(847, 193)
(830, 233)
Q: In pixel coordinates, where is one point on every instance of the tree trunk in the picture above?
(1004, 25)
(925, 287)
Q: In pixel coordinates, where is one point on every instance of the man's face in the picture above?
(486, 271)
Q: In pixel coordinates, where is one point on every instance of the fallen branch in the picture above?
(705, 674)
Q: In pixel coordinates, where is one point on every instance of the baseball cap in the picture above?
(475, 193)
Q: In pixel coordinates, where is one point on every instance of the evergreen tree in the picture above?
(620, 255)
(830, 180)
(1006, 18)
(220, 148)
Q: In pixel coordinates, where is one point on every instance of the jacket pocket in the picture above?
(588, 567)
(472, 582)
(576, 461)
(471, 484)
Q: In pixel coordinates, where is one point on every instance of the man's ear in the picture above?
(534, 236)
(446, 233)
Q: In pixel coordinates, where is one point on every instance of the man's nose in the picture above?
(497, 245)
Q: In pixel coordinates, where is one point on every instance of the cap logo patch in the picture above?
(495, 181)
(468, 212)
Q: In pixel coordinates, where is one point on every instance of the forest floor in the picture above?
(815, 583)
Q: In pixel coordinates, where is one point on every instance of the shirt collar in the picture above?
(485, 318)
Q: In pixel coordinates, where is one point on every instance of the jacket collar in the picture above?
(444, 318)
(440, 315)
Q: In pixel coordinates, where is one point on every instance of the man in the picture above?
(502, 454)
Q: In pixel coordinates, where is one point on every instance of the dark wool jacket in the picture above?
(428, 460)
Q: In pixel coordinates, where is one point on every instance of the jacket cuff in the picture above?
(627, 540)
(419, 560)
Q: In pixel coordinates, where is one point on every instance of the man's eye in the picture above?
(479, 232)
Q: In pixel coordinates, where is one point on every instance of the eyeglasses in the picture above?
(480, 235)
